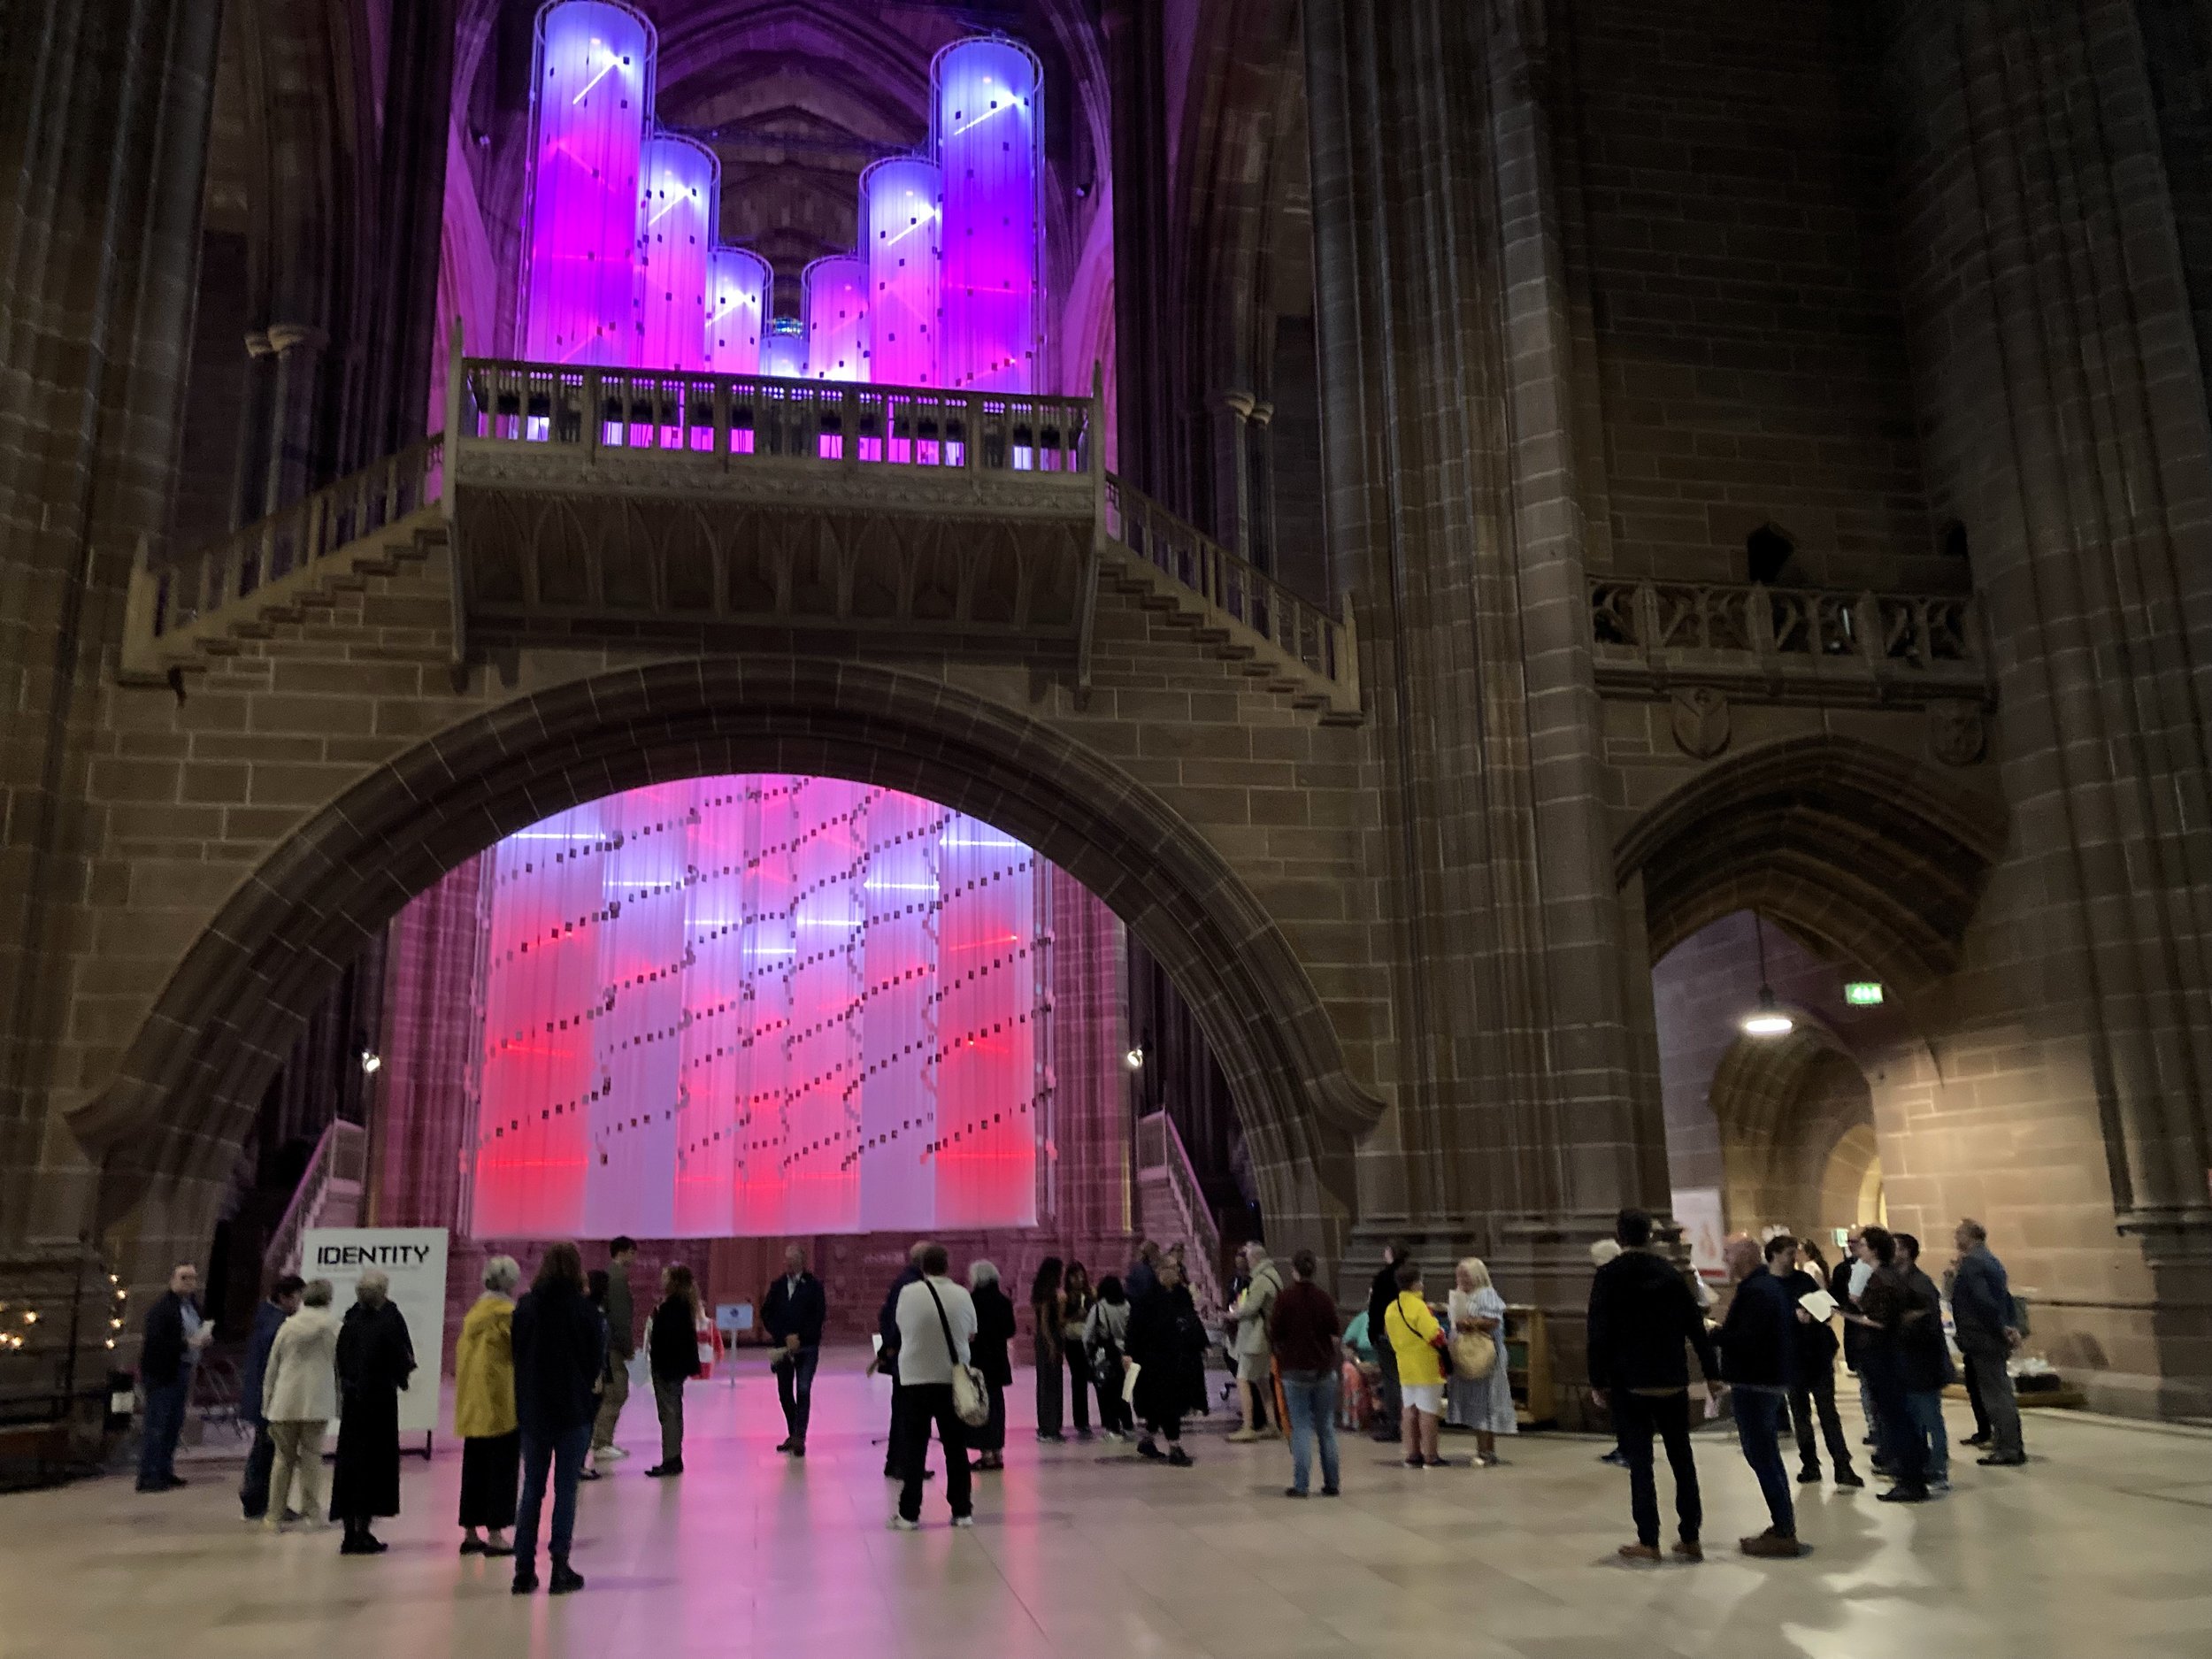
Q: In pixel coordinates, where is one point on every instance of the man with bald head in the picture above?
(1758, 1362)
(174, 1336)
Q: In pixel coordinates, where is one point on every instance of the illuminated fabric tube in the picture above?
(676, 214)
(833, 297)
(592, 92)
(899, 217)
(989, 136)
(783, 347)
(737, 305)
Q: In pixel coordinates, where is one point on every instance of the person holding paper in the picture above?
(1813, 1387)
(175, 1335)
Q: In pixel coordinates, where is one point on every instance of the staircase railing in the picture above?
(1162, 1155)
(1237, 590)
(342, 1155)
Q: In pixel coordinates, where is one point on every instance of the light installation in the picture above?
(783, 347)
(592, 92)
(676, 214)
(737, 306)
(989, 143)
(899, 216)
(759, 1005)
(834, 295)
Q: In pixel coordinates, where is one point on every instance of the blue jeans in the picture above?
(158, 1440)
(1926, 1406)
(794, 1392)
(1312, 1397)
(563, 1453)
(1758, 1431)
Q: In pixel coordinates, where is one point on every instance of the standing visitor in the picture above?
(1077, 1298)
(1811, 1263)
(1484, 1404)
(174, 1336)
(614, 1384)
(1888, 1310)
(887, 1360)
(672, 1351)
(1846, 1286)
(283, 1302)
(936, 1326)
(1382, 1290)
(1641, 1313)
(484, 1412)
(1758, 1362)
(1105, 1339)
(1421, 1349)
(560, 1344)
(794, 1311)
(1813, 1383)
(1251, 1311)
(1988, 1325)
(1303, 1336)
(1165, 1336)
(995, 1330)
(1927, 1366)
(376, 1356)
(1144, 1273)
(1047, 1300)
(299, 1397)
(1601, 1252)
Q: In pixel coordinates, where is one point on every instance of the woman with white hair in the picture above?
(484, 1412)
(1483, 1405)
(988, 1352)
(375, 1358)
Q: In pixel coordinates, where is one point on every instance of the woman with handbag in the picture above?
(993, 1332)
(1480, 1396)
(1105, 1339)
(1423, 1353)
(936, 1320)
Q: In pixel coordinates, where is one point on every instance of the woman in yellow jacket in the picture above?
(484, 1412)
(1416, 1339)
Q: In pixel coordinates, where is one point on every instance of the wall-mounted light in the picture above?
(372, 1061)
(1767, 1019)
(1135, 1059)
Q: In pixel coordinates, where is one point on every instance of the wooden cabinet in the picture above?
(1528, 1366)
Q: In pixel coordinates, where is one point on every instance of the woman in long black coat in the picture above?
(1166, 1342)
(375, 1358)
(988, 1352)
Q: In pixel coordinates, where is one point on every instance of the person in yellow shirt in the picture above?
(1415, 1340)
(484, 1412)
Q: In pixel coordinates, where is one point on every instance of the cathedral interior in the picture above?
(1517, 607)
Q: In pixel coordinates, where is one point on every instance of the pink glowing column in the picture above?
(834, 295)
(899, 1033)
(899, 215)
(989, 134)
(737, 308)
(676, 215)
(592, 93)
(985, 1152)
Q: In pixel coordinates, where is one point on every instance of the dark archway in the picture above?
(185, 1089)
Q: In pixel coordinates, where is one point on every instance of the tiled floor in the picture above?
(2101, 1547)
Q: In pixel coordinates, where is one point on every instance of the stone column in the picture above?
(249, 487)
(1232, 493)
(294, 411)
(1259, 445)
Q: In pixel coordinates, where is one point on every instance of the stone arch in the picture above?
(1877, 859)
(1784, 1106)
(167, 1127)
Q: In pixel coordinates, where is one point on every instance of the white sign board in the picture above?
(1698, 1210)
(414, 1258)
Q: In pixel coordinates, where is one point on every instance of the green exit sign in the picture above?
(1863, 993)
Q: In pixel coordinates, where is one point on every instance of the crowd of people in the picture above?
(542, 1376)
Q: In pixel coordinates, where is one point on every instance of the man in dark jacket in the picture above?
(1988, 1331)
(1641, 1313)
(1382, 1290)
(1928, 1370)
(793, 1311)
(283, 1302)
(614, 1384)
(1758, 1362)
(888, 1362)
(560, 1344)
(174, 1336)
(1812, 1390)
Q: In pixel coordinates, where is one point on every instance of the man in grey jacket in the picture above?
(1988, 1331)
(1252, 1312)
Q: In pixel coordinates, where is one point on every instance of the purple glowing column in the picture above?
(989, 131)
(676, 214)
(783, 349)
(593, 89)
(899, 213)
(834, 297)
(737, 304)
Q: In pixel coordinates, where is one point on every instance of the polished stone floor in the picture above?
(2101, 1547)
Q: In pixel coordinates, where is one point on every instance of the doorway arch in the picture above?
(167, 1125)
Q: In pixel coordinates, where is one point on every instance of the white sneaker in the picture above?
(610, 1451)
(964, 1520)
(900, 1523)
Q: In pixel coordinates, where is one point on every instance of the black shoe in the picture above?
(363, 1544)
(1615, 1459)
(799, 1451)
(524, 1582)
(1178, 1457)
(1809, 1477)
(1883, 1466)
(565, 1579)
(1329, 1492)
(1902, 1493)
(497, 1550)
(2002, 1460)
(656, 1472)
(1145, 1448)
(786, 1444)
(592, 1474)
(472, 1547)
(1846, 1479)
(1975, 1440)
(1293, 1492)
(1053, 1438)
(173, 1482)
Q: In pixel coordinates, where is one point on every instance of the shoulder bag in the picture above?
(971, 1401)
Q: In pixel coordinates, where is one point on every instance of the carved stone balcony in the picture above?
(1786, 644)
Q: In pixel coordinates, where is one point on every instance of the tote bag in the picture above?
(971, 1401)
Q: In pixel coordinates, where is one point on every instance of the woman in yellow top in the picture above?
(1415, 1338)
(484, 1412)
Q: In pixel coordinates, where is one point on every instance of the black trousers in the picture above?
(253, 1490)
(1974, 1399)
(1817, 1395)
(1638, 1418)
(920, 1405)
(1388, 1401)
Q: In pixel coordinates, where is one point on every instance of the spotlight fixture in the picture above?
(1767, 1019)
(372, 1061)
(1135, 1059)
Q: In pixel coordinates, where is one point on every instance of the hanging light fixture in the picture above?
(1768, 1018)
